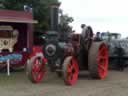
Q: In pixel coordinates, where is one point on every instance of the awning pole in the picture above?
(8, 67)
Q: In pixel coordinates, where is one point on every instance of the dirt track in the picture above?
(18, 85)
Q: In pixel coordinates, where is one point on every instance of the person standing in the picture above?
(86, 36)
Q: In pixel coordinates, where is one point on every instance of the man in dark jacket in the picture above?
(86, 36)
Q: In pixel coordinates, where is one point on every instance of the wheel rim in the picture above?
(72, 72)
(102, 61)
(38, 69)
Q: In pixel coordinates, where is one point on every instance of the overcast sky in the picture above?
(102, 15)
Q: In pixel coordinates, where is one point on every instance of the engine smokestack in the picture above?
(54, 16)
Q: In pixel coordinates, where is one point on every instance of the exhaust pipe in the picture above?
(54, 16)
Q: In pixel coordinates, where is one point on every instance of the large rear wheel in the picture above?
(70, 70)
(98, 60)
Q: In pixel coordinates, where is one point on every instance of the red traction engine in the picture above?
(16, 42)
(79, 53)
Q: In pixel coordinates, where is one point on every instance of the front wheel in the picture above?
(70, 70)
(36, 68)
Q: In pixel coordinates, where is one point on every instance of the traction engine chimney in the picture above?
(54, 16)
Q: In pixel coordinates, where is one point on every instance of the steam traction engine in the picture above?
(67, 57)
(16, 42)
(78, 53)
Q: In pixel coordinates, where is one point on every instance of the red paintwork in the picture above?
(38, 70)
(15, 14)
(38, 49)
(102, 60)
(72, 77)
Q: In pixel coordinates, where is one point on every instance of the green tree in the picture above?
(65, 20)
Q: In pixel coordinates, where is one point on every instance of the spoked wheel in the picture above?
(36, 69)
(70, 70)
(98, 60)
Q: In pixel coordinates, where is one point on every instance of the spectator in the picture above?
(98, 36)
